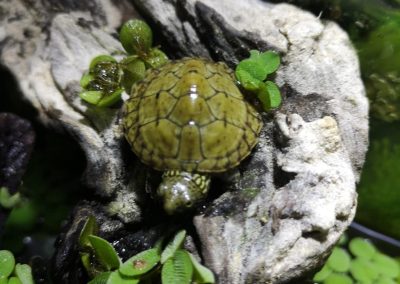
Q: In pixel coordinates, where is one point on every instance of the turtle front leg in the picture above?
(182, 190)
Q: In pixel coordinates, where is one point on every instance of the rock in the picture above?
(284, 208)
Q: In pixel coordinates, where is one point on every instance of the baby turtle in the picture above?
(189, 119)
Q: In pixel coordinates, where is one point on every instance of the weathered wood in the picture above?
(279, 214)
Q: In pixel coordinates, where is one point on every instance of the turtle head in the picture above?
(182, 190)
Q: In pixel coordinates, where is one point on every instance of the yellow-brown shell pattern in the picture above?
(189, 115)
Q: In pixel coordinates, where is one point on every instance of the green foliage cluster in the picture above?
(172, 263)
(252, 75)
(101, 84)
(107, 78)
(11, 273)
(359, 262)
(379, 194)
(380, 63)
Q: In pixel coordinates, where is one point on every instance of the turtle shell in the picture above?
(189, 115)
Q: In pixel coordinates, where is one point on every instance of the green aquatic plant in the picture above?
(252, 74)
(7, 200)
(380, 63)
(379, 196)
(101, 84)
(172, 263)
(358, 261)
(107, 78)
(378, 46)
(136, 37)
(12, 273)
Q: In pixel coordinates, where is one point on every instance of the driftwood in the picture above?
(276, 217)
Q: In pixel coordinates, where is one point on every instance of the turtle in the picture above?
(189, 119)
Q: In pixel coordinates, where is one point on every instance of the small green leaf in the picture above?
(254, 68)
(3, 280)
(92, 97)
(101, 59)
(136, 37)
(386, 265)
(339, 260)
(140, 263)
(85, 258)
(322, 274)
(106, 76)
(268, 101)
(134, 70)
(8, 201)
(14, 280)
(274, 94)
(105, 252)
(7, 263)
(156, 58)
(336, 278)
(173, 246)
(101, 278)
(269, 59)
(24, 273)
(253, 71)
(110, 99)
(201, 274)
(89, 228)
(370, 269)
(362, 248)
(177, 269)
(363, 271)
(85, 80)
(247, 80)
(385, 280)
(168, 272)
(117, 278)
